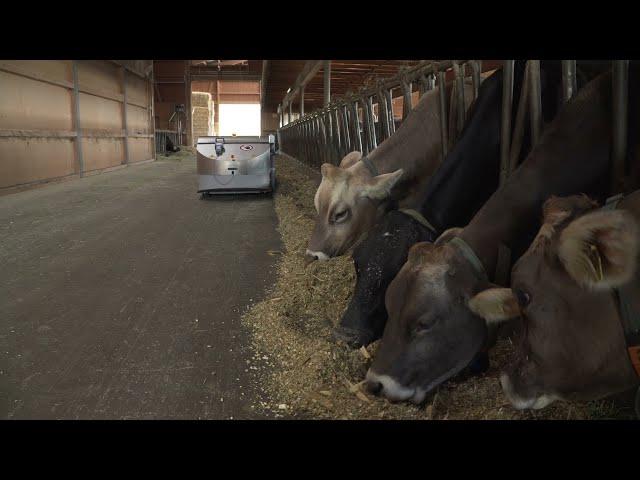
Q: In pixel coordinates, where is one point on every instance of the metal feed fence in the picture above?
(347, 124)
(328, 134)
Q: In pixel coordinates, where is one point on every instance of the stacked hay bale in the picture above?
(202, 108)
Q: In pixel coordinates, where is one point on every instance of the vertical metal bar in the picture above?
(444, 136)
(337, 142)
(344, 125)
(406, 99)
(290, 113)
(392, 123)
(383, 115)
(569, 80)
(76, 118)
(460, 110)
(124, 116)
(318, 139)
(431, 81)
(620, 106)
(505, 132)
(518, 128)
(355, 121)
(302, 101)
(365, 126)
(327, 82)
(475, 76)
(151, 100)
(374, 136)
(535, 100)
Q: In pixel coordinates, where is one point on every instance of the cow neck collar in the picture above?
(467, 252)
(373, 170)
(418, 217)
(629, 316)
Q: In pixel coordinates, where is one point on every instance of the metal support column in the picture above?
(569, 80)
(76, 118)
(476, 67)
(458, 70)
(406, 98)
(124, 116)
(302, 101)
(535, 100)
(620, 106)
(505, 132)
(327, 82)
(443, 114)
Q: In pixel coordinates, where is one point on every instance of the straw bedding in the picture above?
(305, 375)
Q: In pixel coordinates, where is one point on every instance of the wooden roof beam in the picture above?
(310, 69)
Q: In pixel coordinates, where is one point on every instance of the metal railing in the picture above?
(161, 140)
(347, 124)
(328, 134)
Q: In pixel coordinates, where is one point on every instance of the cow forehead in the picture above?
(425, 287)
(333, 190)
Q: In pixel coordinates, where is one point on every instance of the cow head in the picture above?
(377, 261)
(348, 203)
(431, 334)
(571, 345)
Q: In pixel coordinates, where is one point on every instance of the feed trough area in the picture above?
(422, 240)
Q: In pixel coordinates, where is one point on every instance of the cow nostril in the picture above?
(310, 258)
(373, 387)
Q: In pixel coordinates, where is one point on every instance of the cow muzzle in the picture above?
(312, 256)
(521, 403)
(386, 386)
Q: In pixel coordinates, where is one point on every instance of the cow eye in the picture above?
(523, 298)
(424, 324)
(341, 216)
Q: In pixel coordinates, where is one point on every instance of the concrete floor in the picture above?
(121, 295)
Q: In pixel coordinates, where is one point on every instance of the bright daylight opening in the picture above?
(239, 119)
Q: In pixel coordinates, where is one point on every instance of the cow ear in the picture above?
(420, 251)
(328, 170)
(350, 159)
(379, 188)
(495, 305)
(600, 249)
(448, 235)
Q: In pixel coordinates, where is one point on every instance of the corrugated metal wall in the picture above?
(66, 118)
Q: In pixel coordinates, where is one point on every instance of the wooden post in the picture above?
(216, 109)
(187, 105)
(124, 116)
(151, 100)
(79, 167)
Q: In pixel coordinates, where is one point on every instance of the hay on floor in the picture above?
(309, 376)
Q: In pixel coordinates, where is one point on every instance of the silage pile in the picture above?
(309, 376)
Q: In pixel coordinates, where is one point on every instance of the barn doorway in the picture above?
(225, 107)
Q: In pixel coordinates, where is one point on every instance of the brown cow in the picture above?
(350, 199)
(572, 346)
(431, 333)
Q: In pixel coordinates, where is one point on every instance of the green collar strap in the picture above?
(418, 217)
(468, 253)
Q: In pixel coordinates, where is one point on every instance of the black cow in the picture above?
(465, 180)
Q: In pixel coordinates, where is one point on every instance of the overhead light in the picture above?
(288, 89)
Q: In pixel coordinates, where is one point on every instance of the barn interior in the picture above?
(126, 295)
